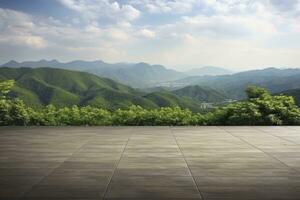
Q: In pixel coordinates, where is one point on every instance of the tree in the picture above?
(5, 88)
(261, 108)
(256, 92)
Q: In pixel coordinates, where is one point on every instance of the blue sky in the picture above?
(180, 34)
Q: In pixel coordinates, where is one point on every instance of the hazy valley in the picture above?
(120, 85)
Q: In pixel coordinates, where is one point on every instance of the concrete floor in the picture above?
(150, 163)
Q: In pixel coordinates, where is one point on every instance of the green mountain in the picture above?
(275, 80)
(294, 93)
(43, 86)
(137, 75)
(203, 94)
(167, 98)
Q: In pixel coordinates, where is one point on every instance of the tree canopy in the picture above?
(261, 108)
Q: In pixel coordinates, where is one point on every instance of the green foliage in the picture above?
(169, 99)
(256, 92)
(260, 109)
(64, 88)
(203, 94)
(12, 111)
(294, 93)
(167, 116)
(234, 85)
(5, 87)
(241, 113)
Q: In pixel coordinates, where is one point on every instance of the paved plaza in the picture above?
(93, 163)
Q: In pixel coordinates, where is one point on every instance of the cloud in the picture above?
(129, 12)
(228, 26)
(25, 40)
(147, 33)
(16, 30)
(166, 6)
(117, 34)
(78, 6)
(216, 32)
(19, 31)
(285, 5)
(95, 9)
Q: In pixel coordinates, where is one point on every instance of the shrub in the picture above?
(260, 108)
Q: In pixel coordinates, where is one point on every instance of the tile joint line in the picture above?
(115, 168)
(171, 130)
(262, 151)
(277, 136)
(51, 171)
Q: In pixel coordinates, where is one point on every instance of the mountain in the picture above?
(276, 80)
(43, 86)
(294, 93)
(136, 75)
(167, 98)
(208, 70)
(60, 87)
(203, 94)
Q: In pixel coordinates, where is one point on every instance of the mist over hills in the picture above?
(157, 85)
(137, 75)
(42, 86)
(203, 94)
(234, 85)
(208, 71)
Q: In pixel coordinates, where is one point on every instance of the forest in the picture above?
(260, 108)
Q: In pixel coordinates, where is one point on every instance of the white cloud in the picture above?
(94, 29)
(245, 33)
(21, 40)
(130, 12)
(33, 41)
(117, 34)
(228, 25)
(15, 19)
(78, 6)
(19, 30)
(166, 6)
(147, 33)
(16, 30)
(95, 9)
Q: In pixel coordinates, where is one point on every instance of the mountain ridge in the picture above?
(234, 85)
(42, 86)
(134, 74)
(138, 75)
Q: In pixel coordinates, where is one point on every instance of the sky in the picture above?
(179, 34)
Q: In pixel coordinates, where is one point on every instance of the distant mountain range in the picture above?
(154, 85)
(137, 75)
(203, 94)
(189, 96)
(43, 86)
(208, 71)
(234, 85)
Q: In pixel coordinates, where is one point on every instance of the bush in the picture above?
(136, 115)
(260, 108)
